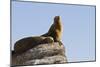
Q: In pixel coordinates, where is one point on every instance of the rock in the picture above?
(49, 53)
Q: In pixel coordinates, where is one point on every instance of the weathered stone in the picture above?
(49, 53)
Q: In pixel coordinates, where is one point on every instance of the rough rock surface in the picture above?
(49, 53)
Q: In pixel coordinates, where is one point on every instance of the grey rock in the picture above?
(49, 53)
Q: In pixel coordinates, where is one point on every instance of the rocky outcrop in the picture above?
(49, 53)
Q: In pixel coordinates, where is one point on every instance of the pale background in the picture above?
(5, 38)
(33, 19)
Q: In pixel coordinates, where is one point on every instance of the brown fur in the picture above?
(55, 30)
(27, 43)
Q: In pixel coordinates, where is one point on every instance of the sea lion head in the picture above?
(56, 18)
